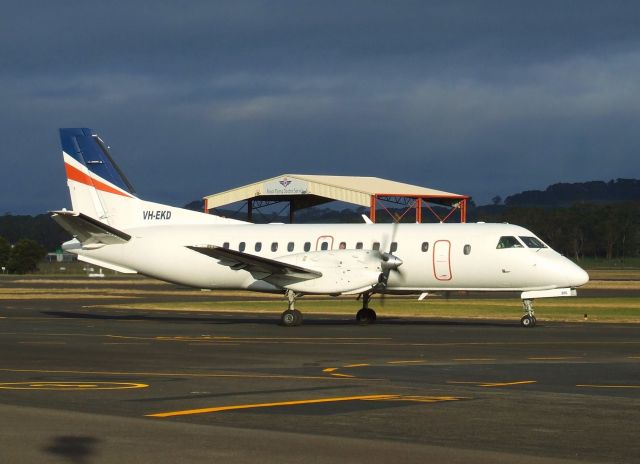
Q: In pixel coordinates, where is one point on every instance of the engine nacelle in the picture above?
(343, 271)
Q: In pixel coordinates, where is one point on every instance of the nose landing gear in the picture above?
(529, 318)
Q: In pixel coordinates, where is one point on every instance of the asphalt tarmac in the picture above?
(81, 384)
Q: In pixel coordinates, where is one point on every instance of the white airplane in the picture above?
(115, 229)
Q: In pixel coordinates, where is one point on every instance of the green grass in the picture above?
(566, 309)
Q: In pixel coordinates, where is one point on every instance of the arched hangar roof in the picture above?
(351, 189)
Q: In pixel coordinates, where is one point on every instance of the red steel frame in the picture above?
(417, 204)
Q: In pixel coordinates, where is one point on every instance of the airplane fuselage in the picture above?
(434, 256)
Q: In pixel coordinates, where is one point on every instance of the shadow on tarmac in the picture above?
(75, 449)
(235, 318)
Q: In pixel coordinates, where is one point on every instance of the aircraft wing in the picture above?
(88, 230)
(261, 268)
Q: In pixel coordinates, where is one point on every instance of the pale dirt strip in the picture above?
(39, 293)
(612, 285)
(91, 281)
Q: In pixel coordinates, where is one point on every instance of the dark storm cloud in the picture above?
(482, 98)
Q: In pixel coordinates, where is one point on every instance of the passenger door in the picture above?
(324, 242)
(442, 260)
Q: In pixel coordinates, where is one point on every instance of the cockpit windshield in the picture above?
(509, 242)
(533, 242)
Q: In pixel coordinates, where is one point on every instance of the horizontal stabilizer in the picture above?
(88, 230)
(261, 268)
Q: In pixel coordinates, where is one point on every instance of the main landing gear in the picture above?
(529, 318)
(366, 315)
(291, 316)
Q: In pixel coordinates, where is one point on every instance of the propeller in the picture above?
(389, 263)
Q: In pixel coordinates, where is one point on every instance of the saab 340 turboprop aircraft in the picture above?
(115, 229)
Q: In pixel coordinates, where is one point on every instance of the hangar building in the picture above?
(303, 191)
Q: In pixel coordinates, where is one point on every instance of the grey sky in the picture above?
(477, 97)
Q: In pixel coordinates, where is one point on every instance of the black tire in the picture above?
(289, 319)
(527, 321)
(363, 316)
(366, 316)
(298, 316)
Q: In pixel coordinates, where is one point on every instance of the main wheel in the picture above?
(366, 316)
(527, 321)
(291, 317)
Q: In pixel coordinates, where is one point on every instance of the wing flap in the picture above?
(89, 231)
(261, 268)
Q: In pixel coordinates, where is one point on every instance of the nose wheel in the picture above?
(529, 318)
(528, 321)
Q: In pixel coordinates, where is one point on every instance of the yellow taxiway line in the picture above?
(414, 399)
(270, 405)
(494, 384)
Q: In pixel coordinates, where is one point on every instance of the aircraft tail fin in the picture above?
(96, 184)
(100, 190)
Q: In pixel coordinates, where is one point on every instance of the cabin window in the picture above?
(324, 246)
(394, 247)
(241, 246)
(307, 246)
(359, 246)
(274, 246)
(376, 245)
(225, 245)
(258, 246)
(425, 247)
(467, 249)
(343, 245)
(533, 242)
(290, 246)
(509, 242)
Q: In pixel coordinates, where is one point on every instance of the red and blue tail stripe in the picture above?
(90, 151)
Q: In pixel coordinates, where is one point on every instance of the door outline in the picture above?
(322, 238)
(438, 265)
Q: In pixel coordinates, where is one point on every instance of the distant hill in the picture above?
(563, 194)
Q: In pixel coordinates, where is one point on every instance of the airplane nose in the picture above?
(577, 276)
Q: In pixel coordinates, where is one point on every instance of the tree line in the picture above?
(21, 257)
